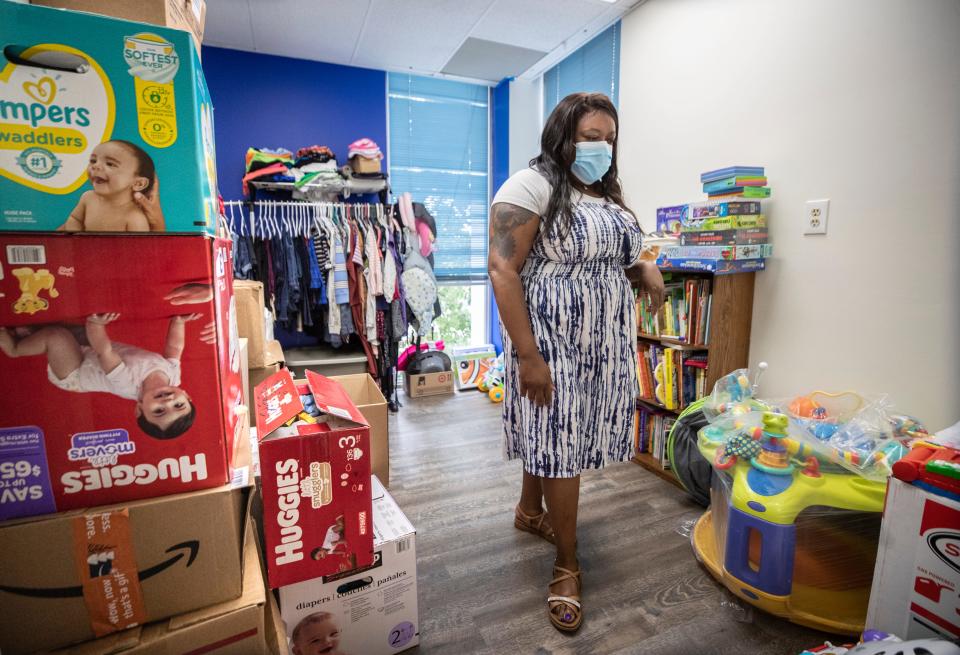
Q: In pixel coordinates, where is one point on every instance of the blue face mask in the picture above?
(593, 160)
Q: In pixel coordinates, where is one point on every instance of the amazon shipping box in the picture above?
(234, 627)
(73, 576)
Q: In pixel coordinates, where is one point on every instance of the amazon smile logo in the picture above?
(188, 549)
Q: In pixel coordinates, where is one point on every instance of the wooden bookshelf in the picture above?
(731, 313)
(649, 462)
(673, 343)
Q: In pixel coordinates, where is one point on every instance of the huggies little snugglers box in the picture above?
(105, 125)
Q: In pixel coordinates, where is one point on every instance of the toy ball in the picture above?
(805, 407)
(482, 386)
(496, 394)
(823, 431)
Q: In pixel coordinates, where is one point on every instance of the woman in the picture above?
(562, 247)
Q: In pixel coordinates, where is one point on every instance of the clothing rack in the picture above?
(320, 258)
(265, 219)
(345, 187)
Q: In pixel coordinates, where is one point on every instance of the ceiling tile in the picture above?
(487, 60)
(416, 35)
(537, 24)
(419, 35)
(322, 31)
(228, 24)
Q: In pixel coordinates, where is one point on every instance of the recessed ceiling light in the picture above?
(609, 1)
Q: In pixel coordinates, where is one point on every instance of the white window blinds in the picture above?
(594, 68)
(438, 149)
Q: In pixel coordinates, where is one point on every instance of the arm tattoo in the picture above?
(505, 219)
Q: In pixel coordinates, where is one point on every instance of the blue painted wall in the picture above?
(262, 100)
(500, 160)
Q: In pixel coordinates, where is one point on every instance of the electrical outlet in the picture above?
(816, 217)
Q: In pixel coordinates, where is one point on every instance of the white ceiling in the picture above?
(418, 36)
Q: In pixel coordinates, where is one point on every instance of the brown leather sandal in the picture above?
(534, 524)
(565, 611)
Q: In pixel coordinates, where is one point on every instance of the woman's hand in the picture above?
(648, 276)
(535, 381)
(150, 206)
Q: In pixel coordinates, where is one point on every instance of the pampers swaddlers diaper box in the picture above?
(94, 110)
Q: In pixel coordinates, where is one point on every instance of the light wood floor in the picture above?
(483, 583)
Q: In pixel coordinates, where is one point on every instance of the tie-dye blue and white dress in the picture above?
(583, 317)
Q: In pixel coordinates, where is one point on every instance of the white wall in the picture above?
(526, 97)
(857, 101)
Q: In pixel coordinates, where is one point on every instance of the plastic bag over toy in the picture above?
(861, 434)
(787, 531)
(731, 410)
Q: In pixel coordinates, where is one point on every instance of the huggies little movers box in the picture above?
(105, 125)
(119, 369)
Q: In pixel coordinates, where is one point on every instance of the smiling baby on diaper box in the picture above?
(105, 126)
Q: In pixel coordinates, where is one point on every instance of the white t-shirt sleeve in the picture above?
(526, 189)
(173, 372)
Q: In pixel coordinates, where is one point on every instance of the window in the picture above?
(595, 67)
(438, 145)
(463, 321)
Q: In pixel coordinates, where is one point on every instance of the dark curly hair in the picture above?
(175, 429)
(558, 152)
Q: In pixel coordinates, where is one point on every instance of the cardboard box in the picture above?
(428, 384)
(714, 209)
(164, 420)
(235, 627)
(360, 164)
(189, 15)
(669, 219)
(741, 237)
(258, 375)
(244, 371)
(139, 84)
(750, 222)
(250, 326)
(315, 477)
(916, 582)
(715, 266)
(366, 395)
(166, 555)
(471, 364)
(375, 607)
(242, 465)
(758, 251)
(275, 633)
(275, 358)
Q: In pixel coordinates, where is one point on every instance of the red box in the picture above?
(317, 508)
(72, 435)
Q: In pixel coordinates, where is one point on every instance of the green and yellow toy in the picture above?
(790, 530)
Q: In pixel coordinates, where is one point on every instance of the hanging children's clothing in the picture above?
(336, 272)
